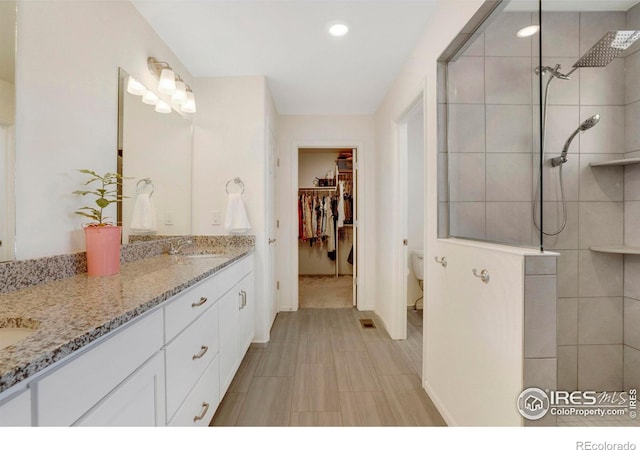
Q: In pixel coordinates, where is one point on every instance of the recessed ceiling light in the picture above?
(338, 29)
(528, 31)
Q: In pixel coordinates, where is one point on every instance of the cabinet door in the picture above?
(228, 308)
(16, 412)
(246, 326)
(139, 401)
(69, 392)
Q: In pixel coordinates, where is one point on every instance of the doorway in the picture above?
(327, 227)
(411, 188)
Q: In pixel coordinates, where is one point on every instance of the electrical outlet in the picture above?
(169, 218)
(215, 218)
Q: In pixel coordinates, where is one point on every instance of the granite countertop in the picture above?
(73, 312)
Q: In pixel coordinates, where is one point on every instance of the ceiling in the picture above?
(308, 71)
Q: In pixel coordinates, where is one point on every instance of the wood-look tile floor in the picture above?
(322, 368)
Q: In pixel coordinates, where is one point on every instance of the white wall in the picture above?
(230, 141)
(417, 75)
(312, 165)
(67, 113)
(324, 131)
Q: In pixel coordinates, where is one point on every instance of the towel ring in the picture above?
(147, 182)
(237, 181)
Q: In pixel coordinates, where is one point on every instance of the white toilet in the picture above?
(417, 264)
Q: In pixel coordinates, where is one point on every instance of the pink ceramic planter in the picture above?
(103, 250)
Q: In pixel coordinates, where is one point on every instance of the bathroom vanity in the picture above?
(156, 345)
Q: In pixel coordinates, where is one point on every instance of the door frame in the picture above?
(360, 213)
(402, 250)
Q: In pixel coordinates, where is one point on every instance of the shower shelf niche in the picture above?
(620, 249)
(617, 162)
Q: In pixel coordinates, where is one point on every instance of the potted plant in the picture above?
(102, 238)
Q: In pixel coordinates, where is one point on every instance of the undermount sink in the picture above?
(204, 255)
(13, 331)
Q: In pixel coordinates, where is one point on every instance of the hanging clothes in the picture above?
(341, 205)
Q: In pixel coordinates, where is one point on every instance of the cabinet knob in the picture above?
(205, 408)
(201, 353)
(202, 301)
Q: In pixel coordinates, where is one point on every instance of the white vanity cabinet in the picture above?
(170, 366)
(237, 321)
(68, 392)
(15, 411)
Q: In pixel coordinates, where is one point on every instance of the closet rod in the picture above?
(315, 189)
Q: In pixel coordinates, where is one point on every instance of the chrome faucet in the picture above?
(179, 245)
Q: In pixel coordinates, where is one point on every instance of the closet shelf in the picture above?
(619, 249)
(617, 162)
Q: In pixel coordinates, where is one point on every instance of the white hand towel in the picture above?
(236, 220)
(143, 218)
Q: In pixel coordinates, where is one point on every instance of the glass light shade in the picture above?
(189, 106)
(135, 87)
(149, 98)
(180, 95)
(162, 107)
(167, 84)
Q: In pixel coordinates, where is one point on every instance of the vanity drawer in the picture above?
(188, 356)
(200, 406)
(188, 306)
(16, 412)
(67, 393)
(233, 274)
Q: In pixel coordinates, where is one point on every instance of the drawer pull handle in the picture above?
(202, 301)
(200, 354)
(244, 298)
(205, 408)
(241, 298)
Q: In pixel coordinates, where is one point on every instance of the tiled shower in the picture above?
(492, 153)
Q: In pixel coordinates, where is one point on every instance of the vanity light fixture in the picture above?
(189, 105)
(162, 107)
(180, 95)
(172, 84)
(149, 98)
(528, 31)
(135, 87)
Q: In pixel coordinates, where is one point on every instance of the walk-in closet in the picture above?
(327, 223)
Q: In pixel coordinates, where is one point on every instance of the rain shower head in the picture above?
(608, 48)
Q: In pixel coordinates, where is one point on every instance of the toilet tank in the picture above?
(417, 263)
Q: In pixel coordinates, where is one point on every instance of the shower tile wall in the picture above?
(493, 137)
(590, 284)
(631, 306)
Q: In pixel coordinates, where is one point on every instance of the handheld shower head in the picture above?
(590, 122)
(584, 126)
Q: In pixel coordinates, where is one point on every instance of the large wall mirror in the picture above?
(154, 153)
(7, 128)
